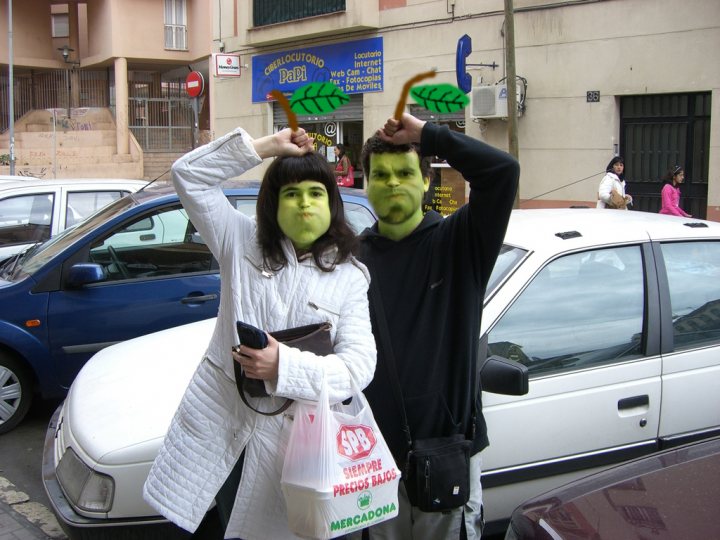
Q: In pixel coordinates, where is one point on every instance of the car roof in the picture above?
(4, 178)
(690, 470)
(26, 183)
(565, 229)
(231, 187)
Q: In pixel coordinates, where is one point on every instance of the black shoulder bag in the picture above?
(312, 337)
(437, 470)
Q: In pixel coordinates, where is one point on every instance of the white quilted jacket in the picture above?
(212, 426)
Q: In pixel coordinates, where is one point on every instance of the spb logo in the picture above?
(355, 442)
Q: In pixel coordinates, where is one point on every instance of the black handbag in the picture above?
(314, 338)
(437, 470)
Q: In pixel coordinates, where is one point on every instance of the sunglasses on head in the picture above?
(676, 170)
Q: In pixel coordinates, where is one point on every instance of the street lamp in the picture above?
(65, 50)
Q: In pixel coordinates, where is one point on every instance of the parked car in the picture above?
(134, 267)
(673, 494)
(32, 210)
(616, 316)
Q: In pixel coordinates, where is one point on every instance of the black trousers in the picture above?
(225, 498)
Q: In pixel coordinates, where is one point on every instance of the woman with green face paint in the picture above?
(290, 266)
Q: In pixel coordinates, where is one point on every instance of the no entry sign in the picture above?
(195, 84)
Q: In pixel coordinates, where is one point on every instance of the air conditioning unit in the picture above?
(491, 101)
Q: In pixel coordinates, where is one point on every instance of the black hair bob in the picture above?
(291, 169)
(613, 161)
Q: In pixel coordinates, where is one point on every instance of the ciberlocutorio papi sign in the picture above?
(355, 67)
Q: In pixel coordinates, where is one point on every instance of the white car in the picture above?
(616, 315)
(32, 210)
(5, 178)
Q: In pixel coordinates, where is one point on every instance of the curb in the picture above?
(20, 518)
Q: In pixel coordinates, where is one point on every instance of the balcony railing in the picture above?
(278, 11)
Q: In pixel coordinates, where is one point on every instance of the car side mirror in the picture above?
(501, 375)
(84, 273)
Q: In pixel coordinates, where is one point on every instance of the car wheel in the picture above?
(15, 392)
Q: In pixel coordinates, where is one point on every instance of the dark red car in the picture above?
(671, 495)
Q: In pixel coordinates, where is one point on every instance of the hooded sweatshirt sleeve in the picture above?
(493, 176)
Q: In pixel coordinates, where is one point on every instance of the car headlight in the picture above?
(84, 488)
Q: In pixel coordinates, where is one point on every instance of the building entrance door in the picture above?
(659, 132)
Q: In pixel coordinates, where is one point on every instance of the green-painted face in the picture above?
(303, 212)
(395, 190)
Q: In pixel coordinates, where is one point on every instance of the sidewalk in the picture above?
(21, 519)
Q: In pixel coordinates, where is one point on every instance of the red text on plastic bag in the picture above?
(355, 442)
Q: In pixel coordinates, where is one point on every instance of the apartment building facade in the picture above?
(99, 85)
(595, 78)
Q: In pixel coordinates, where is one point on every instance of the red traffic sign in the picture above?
(355, 442)
(195, 84)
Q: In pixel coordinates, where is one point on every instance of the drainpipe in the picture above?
(11, 92)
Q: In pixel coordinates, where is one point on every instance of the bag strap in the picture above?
(279, 410)
(385, 344)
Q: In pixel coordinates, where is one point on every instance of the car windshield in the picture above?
(509, 259)
(34, 258)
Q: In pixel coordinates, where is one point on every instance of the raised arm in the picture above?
(198, 176)
(493, 176)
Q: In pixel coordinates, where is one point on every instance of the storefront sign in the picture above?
(227, 65)
(356, 67)
(447, 190)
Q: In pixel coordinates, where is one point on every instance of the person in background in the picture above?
(343, 168)
(611, 193)
(670, 193)
(290, 266)
(431, 273)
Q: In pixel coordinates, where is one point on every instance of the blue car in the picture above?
(135, 267)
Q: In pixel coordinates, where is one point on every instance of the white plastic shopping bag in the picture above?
(339, 475)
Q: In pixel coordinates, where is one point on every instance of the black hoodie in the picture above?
(432, 284)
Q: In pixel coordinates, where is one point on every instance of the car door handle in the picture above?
(198, 299)
(633, 402)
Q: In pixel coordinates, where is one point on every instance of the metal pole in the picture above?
(67, 80)
(54, 119)
(11, 92)
(196, 122)
(511, 84)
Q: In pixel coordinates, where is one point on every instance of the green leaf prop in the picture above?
(317, 98)
(440, 98)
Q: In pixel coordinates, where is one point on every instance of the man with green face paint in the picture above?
(430, 273)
